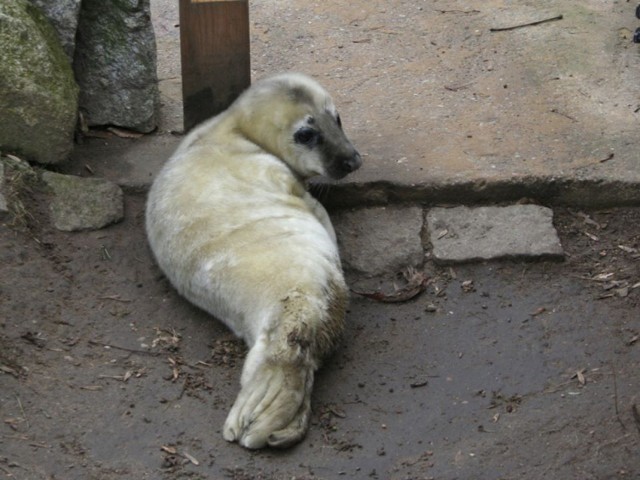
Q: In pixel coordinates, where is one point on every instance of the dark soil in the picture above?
(502, 370)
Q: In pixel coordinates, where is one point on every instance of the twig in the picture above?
(24, 415)
(615, 397)
(458, 11)
(607, 158)
(124, 349)
(611, 442)
(531, 24)
(115, 298)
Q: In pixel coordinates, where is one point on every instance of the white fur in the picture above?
(233, 228)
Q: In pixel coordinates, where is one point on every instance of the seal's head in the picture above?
(292, 117)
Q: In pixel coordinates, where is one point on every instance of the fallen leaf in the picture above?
(168, 449)
(190, 458)
(591, 236)
(603, 277)
(538, 311)
(336, 411)
(467, 286)
(624, 248)
(588, 220)
(9, 370)
(422, 383)
(416, 283)
(97, 133)
(13, 157)
(123, 133)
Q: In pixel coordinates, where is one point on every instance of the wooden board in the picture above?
(214, 48)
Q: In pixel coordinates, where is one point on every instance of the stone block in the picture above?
(380, 240)
(83, 203)
(464, 234)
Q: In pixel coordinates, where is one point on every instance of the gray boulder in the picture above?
(63, 15)
(38, 94)
(115, 64)
(83, 203)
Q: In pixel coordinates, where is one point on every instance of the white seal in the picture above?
(233, 227)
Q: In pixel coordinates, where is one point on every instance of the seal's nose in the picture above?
(351, 164)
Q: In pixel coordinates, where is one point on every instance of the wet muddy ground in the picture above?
(502, 370)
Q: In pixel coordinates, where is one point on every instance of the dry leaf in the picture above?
(589, 221)
(624, 248)
(123, 133)
(467, 286)
(13, 157)
(97, 133)
(603, 277)
(170, 450)
(416, 283)
(591, 236)
(538, 311)
(190, 458)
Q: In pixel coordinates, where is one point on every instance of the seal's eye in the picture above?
(306, 136)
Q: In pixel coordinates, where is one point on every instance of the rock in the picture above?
(38, 94)
(63, 15)
(380, 240)
(115, 64)
(465, 234)
(83, 203)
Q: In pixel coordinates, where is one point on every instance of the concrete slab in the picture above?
(442, 107)
(376, 241)
(465, 234)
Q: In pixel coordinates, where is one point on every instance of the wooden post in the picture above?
(214, 48)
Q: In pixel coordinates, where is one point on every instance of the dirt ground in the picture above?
(498, 371)
(502, 370)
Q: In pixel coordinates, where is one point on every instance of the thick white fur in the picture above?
(233, 228)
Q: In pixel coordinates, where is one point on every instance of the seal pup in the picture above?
(232, 226)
